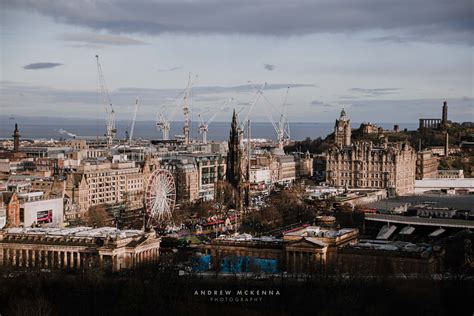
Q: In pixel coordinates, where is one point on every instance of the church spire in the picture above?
(234, 162)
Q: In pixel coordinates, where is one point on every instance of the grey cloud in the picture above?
(320, 103)
(170, 69)
(421, 20)
(389, 39)
(36, 66)
(467, 99)
(269, 67)
(99, 39)
(22, 98)
(375, 91)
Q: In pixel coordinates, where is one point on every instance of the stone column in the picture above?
(301, 261)
(45, 255)
(1, 256)
(78, 260)
(33, 258)
(101, 261)
(20, 257)
(65, 259)
(6, 256)
(27, 258)
(293, 253)
(40, 259)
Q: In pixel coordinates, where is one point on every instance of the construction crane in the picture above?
(163, 121)
(254, 101)
(186, 111)
(282, 128)
(163, 125)
(133, 121)
(204, 126)
(107, 102)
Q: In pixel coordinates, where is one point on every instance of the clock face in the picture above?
(340, 128)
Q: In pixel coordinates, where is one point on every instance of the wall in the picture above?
(31, 210)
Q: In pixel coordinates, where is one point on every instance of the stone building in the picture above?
(286, 169)
(302, 255)
(304, 249)
(211, 169)
(96, 182)
(10, 205)
(304, 165)
(77, 248)
(333, 238)
(186, 176)
(366, 165)
(381, 257)
(196, 174)
(369, 128)
(426, 165)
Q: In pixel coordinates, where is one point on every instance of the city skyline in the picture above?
(386, 64)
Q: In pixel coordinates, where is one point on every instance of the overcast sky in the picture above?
(383, 61)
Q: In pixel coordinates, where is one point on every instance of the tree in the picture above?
(97, 216)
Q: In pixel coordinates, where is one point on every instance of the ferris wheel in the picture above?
(160, 196)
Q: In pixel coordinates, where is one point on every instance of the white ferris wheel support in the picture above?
(160, 196)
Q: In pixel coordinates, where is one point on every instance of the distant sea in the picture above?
(47, 128)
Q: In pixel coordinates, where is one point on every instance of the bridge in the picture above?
(421, 221)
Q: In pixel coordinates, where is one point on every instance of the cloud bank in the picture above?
(420, 20)
(36, 66)
(100, 39)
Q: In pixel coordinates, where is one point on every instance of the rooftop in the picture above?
(316, 231)
(396, 246)
(82, 231)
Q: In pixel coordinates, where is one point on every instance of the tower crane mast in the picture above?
(107, 102)
(133, 121)
(283, 131)
(204, 126)
(186, 110)
(163, 125)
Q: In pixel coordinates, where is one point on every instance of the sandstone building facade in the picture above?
(77, 248)
(363, 164)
